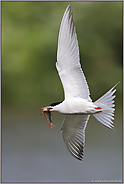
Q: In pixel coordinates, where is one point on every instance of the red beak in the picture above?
(47, 108)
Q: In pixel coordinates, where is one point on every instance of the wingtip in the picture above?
(69, 4)
(68, 7)
(118, 82)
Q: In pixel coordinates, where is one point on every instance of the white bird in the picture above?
(78, 105)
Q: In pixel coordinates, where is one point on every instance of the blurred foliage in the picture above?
(29, 46)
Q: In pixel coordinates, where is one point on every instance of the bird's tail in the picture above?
(106, 103)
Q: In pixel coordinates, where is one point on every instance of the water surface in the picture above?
(33, 152)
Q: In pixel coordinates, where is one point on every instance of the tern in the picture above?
(77, 105)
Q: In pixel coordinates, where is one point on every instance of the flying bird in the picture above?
(77, 105)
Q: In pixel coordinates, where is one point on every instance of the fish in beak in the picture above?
(46, 112)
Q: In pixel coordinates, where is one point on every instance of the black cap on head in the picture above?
(55, 103)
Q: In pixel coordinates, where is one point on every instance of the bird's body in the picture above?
(82, 107)
(77, 105)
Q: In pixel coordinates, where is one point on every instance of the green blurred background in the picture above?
(31, 151)
(29, 46)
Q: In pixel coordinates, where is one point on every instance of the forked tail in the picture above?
(106, 102)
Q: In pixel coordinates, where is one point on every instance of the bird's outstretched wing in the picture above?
(73, 131)
(68, 62)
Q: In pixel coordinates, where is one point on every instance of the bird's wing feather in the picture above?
(68, 62)
(73, 131)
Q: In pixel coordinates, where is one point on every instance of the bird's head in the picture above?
(47, 109)
(50, 107)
